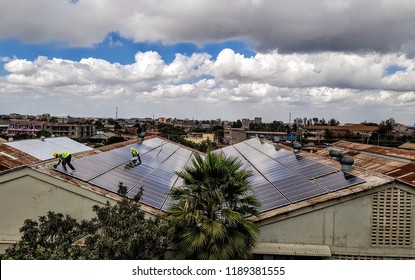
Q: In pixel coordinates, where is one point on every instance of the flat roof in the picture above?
(43, 149)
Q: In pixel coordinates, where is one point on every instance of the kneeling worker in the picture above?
(136, 156)
(65, 157)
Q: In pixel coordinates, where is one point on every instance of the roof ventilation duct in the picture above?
(296, 147)
(335, 154)
(346, 163)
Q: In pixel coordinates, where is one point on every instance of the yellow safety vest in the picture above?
(64, 154)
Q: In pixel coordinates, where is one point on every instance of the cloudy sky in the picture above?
(353, 60)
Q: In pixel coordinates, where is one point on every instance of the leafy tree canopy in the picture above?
(208, 220)
(118, 232)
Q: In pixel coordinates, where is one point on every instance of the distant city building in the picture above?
(186, 124)
(101, 136)
(77, 131)
(15, 116)
(199, 137)
(317, 132)
(3, 128)
(25, 127)
(258, 120)
(245, 123)
(163, 120)
(236, 135)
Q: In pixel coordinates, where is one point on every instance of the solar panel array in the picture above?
(283, 177)
(279, 177)
(160, 160)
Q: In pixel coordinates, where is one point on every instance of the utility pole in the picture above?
(116, 113)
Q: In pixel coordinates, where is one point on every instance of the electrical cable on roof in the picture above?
(162, 143)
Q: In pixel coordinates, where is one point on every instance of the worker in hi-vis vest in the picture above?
(65, 158)
(136, 156)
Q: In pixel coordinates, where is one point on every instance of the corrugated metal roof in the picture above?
(354, 127)
(385, 151)
(383, 160)
(407, 146)
(11, 157)
(43, 149)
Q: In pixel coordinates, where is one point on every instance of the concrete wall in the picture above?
(344, 225)
(237, 136)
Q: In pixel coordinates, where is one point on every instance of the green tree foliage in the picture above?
(118, 232)
(51, 238)
(44, 133)
(208, 220)
(22, 136)
(117, 126)
(237, 124)
(177, 134)
(114, 139)
(328, 134)
(99, 125)
(204, 145)
(322, 122)
(333, 122)
(387, 127)
(167, 129)
(123, 233)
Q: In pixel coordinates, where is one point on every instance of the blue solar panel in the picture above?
(269, 197)
(129, 177)
(339, 181)
(297, 188)
(279, 176)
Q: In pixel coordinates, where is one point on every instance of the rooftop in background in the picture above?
(12, 158)
(396, 163)
(407, 146)
(43, 149)
(393, 153)
(351, 127)
(281, 178)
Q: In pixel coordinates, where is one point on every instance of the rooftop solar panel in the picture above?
(303, 166)
(297, 188)
(339, 180)
(279, 176)
(269, 197)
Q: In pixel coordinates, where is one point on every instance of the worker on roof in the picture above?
(136, 160)
(65, 158)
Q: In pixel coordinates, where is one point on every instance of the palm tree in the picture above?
(208, 220)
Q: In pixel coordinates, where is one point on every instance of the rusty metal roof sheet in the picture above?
(390, 166)
(407, 146)
(354, 127)
(12, 158)
(385, 151)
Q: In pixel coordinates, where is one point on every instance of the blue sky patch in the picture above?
(114, 49)
(392, 69)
